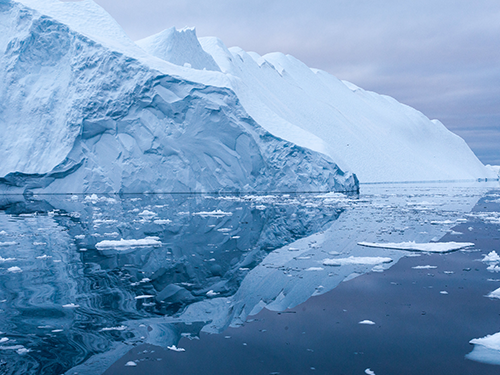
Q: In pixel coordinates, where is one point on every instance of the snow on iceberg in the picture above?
(434, 247)
(86, 111)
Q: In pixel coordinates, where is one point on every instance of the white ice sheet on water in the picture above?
(431, 247)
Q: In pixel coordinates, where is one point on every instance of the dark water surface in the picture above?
(239, 283)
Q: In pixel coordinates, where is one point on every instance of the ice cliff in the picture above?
(84, 109)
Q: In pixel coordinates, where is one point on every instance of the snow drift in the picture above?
(84, 109)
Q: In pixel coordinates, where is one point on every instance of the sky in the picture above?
(441, 57)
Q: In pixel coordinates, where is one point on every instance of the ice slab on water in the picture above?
(435, 247)
(486, 349)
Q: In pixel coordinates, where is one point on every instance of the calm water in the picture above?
(237, 284)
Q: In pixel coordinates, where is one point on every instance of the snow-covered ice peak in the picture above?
(180, 47)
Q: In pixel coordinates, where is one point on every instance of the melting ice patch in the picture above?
(435, 247)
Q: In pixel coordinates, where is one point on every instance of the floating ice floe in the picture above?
(356, 260)
(147, 214)
(494, 294)
(216, 213)
(176, 349)
(130, 364)
(14, 269)
(434, 247)
(211, 293)
(127, 244)
(486, 349)
(491, 257)
(6, 259)
(315, 269)
(106, 329)
(367, 322)
(162, 221)
(369, 372)
(424, 267)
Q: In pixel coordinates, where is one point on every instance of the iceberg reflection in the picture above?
(82, 278)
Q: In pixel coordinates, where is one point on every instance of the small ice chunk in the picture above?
(14, 269)
(44, 256)
(491, 257)
(162, 221)
(367, 322)
(6, 259)
(369, 372)
(147, 213)
(176, 349)
(443, 292)
(22, 351)
(3, 339)
(216, 213)
(130, 364)
(424, 267)
(211, 293)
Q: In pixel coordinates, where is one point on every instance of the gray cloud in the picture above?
(441, 57)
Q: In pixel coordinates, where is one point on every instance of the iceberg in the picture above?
(376, 137)
(86, 110)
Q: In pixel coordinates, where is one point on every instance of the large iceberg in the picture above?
(84, 109)
(376, 137)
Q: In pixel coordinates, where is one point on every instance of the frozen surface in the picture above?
(84, 109)
(435, 247)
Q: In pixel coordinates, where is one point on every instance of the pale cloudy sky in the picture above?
(440, 56)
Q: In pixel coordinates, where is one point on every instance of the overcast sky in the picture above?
(442, 57)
